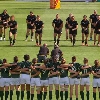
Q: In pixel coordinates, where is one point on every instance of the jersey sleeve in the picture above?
(53, 21)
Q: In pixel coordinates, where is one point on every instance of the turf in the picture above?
(22, 9)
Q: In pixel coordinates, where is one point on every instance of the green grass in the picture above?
(22, 9)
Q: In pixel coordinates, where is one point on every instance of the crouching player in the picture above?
(35, 79)
(96, 78)
(13, 29)
(85, 80)
(15, 78)
(54, 80)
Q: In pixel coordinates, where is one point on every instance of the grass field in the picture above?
(22, 9)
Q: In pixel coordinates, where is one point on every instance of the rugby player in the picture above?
(1, 28)
(25, 76)
(5, 18)
(96, 78)
(74, 77)
(85, 80)
(35, 80)
(57, 25)
(39, 29)
(30, 25)
(85, 30)
(66, 25)
(93, 20)
(12, 24)
(15, 78)
(73, 26)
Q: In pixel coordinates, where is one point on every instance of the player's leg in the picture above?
(57, 91)
(36, 38)
(71, 91)
(58, 38)
(40, 38)
(74, 39)
(91, 33)
(17, 87)
(32, 33)
(14, 39)
(82, 38)
(45, 92)
(95, 38)
(27, 33)
(1, 88)
(10, 38)
(94, 93)
(99, 91)
(76, 87)
(50, 91)
(70, 36)
(55, 35)
(87, 90)
(11, 91)
(5, 27)
(98, 39)
(61, 91)
(1, 31)
(67, 30)
(95, 84)
(86, 39)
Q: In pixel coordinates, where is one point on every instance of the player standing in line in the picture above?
(35, 80)
(85, 80)
(64, 79)
(1, 28)
(5, 18)
(96, 78)
(74, 77)
(57, 25)
(25, 76)
(54, 79)
(66, 25)
(73, 26)
(39, 25)
(13, 29)
(85, 30)
(30, 25)
(97, 27)
(15, 78)
(93, 20)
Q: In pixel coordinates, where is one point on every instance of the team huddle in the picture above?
(35, 25)
(45, 72)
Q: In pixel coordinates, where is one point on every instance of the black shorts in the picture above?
(5, 25)
(39, 32)
(58, 31)
(73, 32)
(13, 31)
(92, 26)
(85, 31)
(30, 27)
(97, 32)
(66, 26)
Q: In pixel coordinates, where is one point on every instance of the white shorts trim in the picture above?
(74, 81)
(4, 82)
(54, 80)
(64, 81)
(44, 82)
(96, 82)
(15, 81)
(35, 82)
(85, 81)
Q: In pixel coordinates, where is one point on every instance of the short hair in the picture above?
(26, 57)
(74, 58)
(15, 59)
(4, 60)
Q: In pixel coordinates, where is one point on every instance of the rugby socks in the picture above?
(31, 35)
(38, 97)
(41, 94)
(82, 41)
(36, 41)
(54, 39)
(50, 95)
(58, 41)
(57, 94)
(85, 42)
(11, 94)
(76, 98)
(82, 95)
(26, 36)
(66, 95)
(13, 41)
(1, 94)
(87, 95)
(22, 95)
(10, 40)
(6, 95)
(44, 96)
(61, 95)
(39, 42)
(32, 96)
(94, 95)
(17, 94)
(99, 95)
(71, 98)
(28, 95)
(73, 41)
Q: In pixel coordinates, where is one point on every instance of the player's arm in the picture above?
(85, 67)
(53, 73)
(61, 26)
(77, 73)
(86, 74)
(36, 74)
(71, 71)
(53, 24)
(75, 28)
(95, 74)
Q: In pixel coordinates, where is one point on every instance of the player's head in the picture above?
(96, 62)
(72, 18)
(15, 59)
(31, 13)
(4, 60)
(73, 58)
(5, 11)
(95, 12)
(63, 61)
(26, 57)
(85, 17)
(34, 60)
(57, 16)
(45, 45)
(70, 15)
(12, 17)
(38, 17)
(98, 17)
(85, 61)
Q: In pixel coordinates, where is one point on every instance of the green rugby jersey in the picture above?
(76, 68)
(34, 72)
